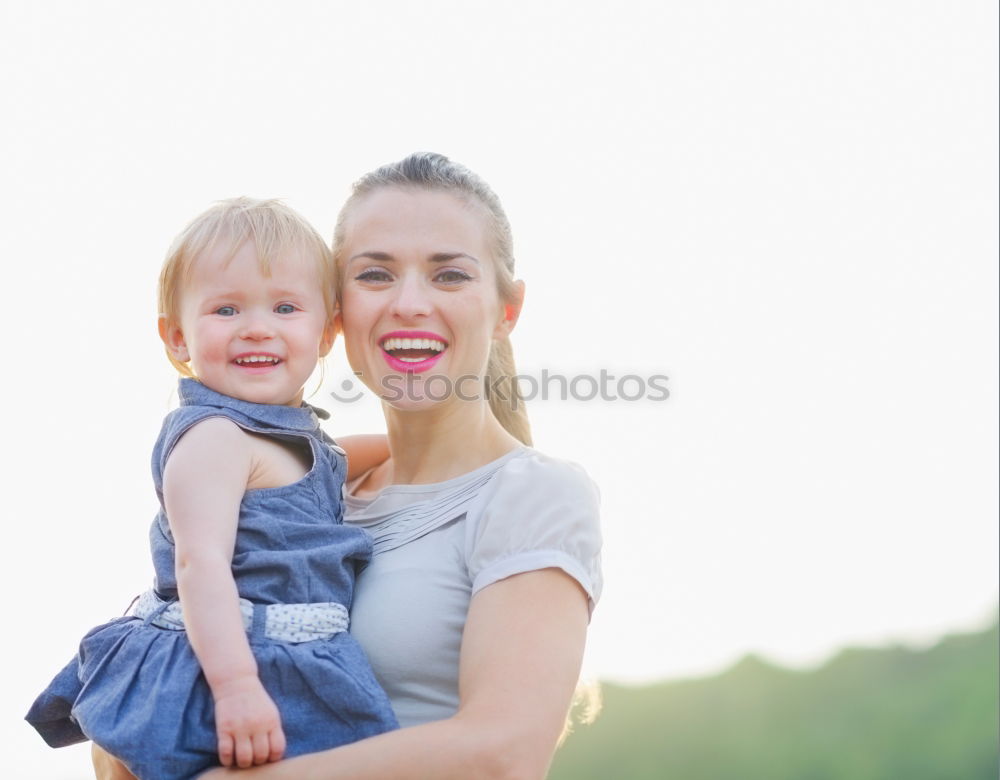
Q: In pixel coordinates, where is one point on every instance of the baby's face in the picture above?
(251, 336)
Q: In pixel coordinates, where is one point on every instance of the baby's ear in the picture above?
(330, 332)
(173, 339)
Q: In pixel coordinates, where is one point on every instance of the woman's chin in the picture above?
(409, 404)
(411, 394)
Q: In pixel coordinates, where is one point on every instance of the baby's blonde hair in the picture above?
(275, 231)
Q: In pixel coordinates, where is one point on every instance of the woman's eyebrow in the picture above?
(383, 257)
(444, 257)
(438, 257)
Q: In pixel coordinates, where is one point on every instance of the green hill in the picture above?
(868, 713)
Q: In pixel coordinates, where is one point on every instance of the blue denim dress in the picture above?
(137, 689)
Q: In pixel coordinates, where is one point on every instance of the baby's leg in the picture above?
(107, 767)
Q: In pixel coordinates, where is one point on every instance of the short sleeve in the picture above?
(536, 513)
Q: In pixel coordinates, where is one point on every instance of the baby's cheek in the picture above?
(214, 354)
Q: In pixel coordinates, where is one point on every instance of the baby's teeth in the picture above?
(256, 359)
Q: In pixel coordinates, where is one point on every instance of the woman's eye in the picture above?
(451, 276)
(284, 308)
(374, 275)
(226, 311)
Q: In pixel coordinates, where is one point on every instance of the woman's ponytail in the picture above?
(506, 401)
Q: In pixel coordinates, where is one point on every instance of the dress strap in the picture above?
(258, 623)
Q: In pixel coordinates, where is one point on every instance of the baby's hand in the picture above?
(247, 723)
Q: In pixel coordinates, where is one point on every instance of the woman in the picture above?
(475, 607)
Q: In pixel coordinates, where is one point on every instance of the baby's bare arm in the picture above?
(203, 484)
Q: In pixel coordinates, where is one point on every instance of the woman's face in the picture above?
(420, 306)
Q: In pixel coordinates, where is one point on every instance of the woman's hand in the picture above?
(364, 452)
(247, 723)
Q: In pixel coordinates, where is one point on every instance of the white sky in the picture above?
(790, 208)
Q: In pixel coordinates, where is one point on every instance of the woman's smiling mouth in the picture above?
(412, 351)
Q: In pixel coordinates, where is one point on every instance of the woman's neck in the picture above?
(436, 444)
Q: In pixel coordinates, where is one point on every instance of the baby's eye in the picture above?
(284, 308)
(451, 276)
(226, 311)
(374, 275)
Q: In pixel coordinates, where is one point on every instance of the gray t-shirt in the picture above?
(436, 545)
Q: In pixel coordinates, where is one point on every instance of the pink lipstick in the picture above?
(412, 351)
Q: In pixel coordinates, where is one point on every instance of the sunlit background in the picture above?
(788, 208)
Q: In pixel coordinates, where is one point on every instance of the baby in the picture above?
(240, 655)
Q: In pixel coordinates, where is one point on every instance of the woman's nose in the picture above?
(411, 299)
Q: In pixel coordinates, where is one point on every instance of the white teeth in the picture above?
(390, 344)
(256, 359)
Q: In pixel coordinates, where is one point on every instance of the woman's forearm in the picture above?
(521, 654)
(442, 750)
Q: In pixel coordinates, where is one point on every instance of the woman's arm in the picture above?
(520, 661)
(364, 451)
(203, 484)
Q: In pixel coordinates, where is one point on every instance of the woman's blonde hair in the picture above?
(427, 170)
(275, 230)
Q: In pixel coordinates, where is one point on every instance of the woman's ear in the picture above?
(510, 310)
(173, 339)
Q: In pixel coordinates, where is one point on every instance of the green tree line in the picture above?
(867, 714)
